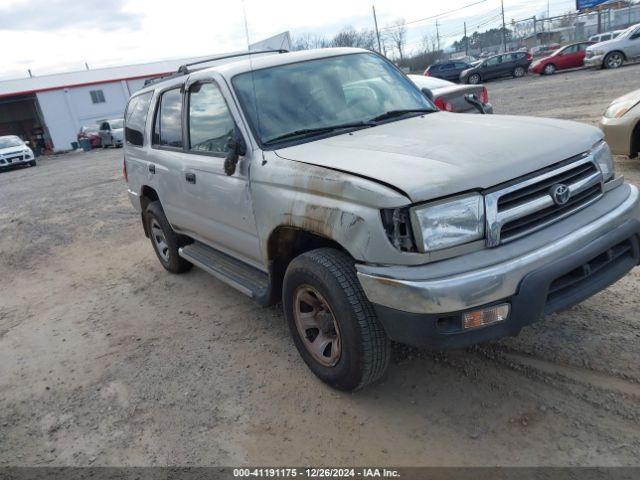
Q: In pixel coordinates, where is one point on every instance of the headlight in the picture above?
(602, 155)
(618, 109)
(448, 223)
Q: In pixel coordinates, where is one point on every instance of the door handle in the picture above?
(152, 168)
(190, 177)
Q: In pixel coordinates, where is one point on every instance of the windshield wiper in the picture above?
(396, 113)
(311, 131)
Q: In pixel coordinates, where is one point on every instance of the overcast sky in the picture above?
(50, 36)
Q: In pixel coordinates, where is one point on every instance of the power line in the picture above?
(443, 14)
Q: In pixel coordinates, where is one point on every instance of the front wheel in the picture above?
(549, 69)
(333, 324)
(613, 60)
(33, 163)
(474, 79)
(519, 72)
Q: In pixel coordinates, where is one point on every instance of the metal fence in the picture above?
(571, 27)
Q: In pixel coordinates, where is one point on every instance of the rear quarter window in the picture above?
(135, 118)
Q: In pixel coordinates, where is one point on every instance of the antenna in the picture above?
(253, 80)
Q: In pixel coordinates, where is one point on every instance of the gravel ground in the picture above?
(106, 359)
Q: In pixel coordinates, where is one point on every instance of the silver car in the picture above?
(613, 53)
(326, 180)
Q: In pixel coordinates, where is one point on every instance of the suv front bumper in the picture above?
(595, 61)
(424, 305)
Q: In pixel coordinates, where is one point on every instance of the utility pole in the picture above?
(504, 29)
(466, 40)
(438, 35)
(375, 21)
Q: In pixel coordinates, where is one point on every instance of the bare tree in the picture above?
(397, 35)
(309, 41)
(350, 37)
(430, 43)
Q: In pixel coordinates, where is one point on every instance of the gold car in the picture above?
(621, 124)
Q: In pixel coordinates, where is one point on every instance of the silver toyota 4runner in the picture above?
(326, 180)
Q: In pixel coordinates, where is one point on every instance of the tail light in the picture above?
(427, 73)
(484, 95)
(124, 170)
(529, 56)
(443, 105)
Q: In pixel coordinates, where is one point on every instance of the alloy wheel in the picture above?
(614, 60)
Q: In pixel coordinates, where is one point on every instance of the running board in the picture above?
(245, 278)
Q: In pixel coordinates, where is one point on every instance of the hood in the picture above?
(628, 97)
(444, 153)
(13, 150)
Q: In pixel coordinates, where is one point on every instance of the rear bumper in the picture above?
(429, 312)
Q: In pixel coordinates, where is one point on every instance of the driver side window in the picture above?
(210, 122)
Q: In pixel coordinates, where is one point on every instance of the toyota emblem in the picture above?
(560, 194)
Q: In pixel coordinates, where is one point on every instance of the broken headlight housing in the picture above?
(602, 156)
(448, 223)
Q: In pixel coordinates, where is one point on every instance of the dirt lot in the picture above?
(106, 359)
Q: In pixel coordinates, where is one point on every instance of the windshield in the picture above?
(627, 32)
(116, 124)
(12, 141)
(322, 93)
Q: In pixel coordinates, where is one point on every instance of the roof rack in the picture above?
(184, 69)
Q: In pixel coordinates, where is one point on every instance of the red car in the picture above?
(569, 56)
(92, 133)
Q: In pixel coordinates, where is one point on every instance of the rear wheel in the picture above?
(165, 241)
(613, 60)
(333, 324)
(549, 69)
(474, 79)
(519, 72)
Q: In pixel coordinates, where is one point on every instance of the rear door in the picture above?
(447, 71)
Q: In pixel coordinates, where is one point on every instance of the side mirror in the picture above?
(237, 148)
(428, 93)
(28, 142)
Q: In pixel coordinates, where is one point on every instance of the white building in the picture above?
(55, 107)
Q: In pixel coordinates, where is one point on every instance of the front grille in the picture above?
(526, 206)
(14, 159)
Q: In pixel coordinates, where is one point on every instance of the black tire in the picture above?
(549, 69)
(33, 163)
(169, 258)
(519, 72)
(474, 79)
(613, 60)
(365, 349)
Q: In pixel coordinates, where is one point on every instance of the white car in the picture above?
(13, 151)
(112, 132)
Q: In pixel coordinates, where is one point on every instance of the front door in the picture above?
(218, 206)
